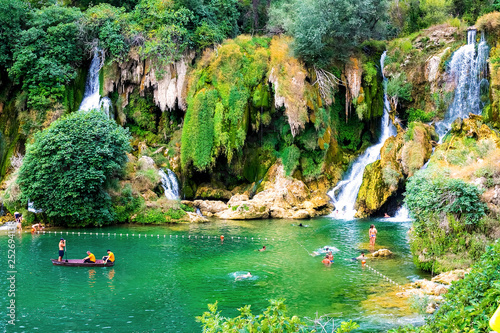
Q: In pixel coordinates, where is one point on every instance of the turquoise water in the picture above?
(162, 283)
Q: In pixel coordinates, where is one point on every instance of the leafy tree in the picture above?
(398, 88)
(47, 54)
(273, 320)
(66, 168)
(330, 28)
(13, 17)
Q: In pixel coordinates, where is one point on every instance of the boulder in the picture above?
(237, 199)
(448, 277)
(430, 288)
(382, 253)
(300, 214)
(146, 162)
(195, 218)
(247, 210)
(209, 207)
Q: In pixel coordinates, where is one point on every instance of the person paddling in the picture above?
(62, 247)
(90, 258)
(110, 257)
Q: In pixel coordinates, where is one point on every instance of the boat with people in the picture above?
(80, 263)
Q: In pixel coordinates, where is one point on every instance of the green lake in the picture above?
(166, 277)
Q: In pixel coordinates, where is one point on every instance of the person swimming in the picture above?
(326, 261)
(263, 249)
(244, 276)
(330, 256)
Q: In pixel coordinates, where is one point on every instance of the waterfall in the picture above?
(169, 184)
(402, 214)
(32, 208)
(345, 193)
(468, 68)
(91, 98)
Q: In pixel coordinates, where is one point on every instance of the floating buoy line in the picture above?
(158, 236)
(373, 270)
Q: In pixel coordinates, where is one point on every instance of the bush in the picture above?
(67, 168)
(428, 194)
(273, 320)
(420, 115)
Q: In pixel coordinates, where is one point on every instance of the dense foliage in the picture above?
(322, 34)
(68, 166)
(469, 303)
(273, 320)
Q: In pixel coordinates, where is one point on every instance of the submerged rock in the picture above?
(382, 253)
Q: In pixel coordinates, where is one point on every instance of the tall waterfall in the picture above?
(170, 184)
(468, 67)
(345, 193)
(91, 98)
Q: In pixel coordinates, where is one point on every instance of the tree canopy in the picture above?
(68, 166)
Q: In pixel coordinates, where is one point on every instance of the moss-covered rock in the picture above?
(417, 148)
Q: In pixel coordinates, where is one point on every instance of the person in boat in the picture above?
(263, 249)
(244, 276)
(326, 261)
(110, 257)
(373, 235)
(18, 217)
(62, 247)
(89, 258)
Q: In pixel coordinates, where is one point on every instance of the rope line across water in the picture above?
(145, 235)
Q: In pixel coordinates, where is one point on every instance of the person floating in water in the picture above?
(386, 215)
(244, 276)
(326, 261)
(373, 236)
(89, 258)
(263, 249)
(362, 257)
(62, 248)
(110, 257)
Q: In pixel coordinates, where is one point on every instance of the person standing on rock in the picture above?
(373, 236)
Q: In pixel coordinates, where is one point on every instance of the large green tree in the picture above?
(67, 168)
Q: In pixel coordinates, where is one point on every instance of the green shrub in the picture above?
(290, 159)
(151, 216)
(67, 168)
(420, 115)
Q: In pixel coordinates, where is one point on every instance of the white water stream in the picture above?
(468, 67)
(345, 193)
(169, 184)
(91, 98)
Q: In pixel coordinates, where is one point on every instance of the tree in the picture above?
(331, 28)
(68, 166)
(398, 89)
(13, 17)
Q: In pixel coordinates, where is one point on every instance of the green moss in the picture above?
(73, 93)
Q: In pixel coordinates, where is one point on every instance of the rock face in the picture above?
(278, 197)
(400, 157)
(207, 191)
(168, 87)
(430, 288)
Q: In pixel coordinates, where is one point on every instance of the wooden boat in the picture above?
(80, 263)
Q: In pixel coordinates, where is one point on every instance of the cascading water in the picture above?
(345, 193)
(169, 184)
(468, 67)
(32, 208)
(91, 98)
(402, 214)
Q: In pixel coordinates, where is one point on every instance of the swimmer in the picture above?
(326, 261)
(330, 257)
(386, 215)
(361, 257)
(263, 249)
(244, 276)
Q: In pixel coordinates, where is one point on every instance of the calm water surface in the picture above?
(162, 283)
